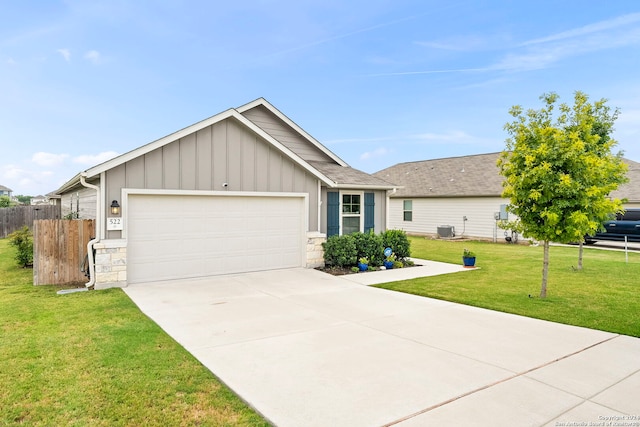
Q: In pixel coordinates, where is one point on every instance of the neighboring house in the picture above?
(54, 199)
(5, 191)
(244, 190)
(39, 200)
(464, 193)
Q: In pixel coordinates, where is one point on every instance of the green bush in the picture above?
(23, 241)
(344, 251)
(398, 242)
(369, 245)
(340, 251)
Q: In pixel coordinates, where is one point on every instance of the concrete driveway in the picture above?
(305, 348)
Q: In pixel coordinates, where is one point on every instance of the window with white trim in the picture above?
(351, 213)
(407, 210)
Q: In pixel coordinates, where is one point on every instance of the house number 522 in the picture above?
(114, 224)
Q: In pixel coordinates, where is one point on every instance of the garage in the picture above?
(244, 190)
(177, 236)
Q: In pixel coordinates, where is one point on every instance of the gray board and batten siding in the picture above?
(291, 139)
(224, 152)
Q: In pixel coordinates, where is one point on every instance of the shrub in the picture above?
(22, 239)
(340, 251)
(397, 240)
(344, 251)
(369, 245)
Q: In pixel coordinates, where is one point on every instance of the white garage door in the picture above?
(179, 236)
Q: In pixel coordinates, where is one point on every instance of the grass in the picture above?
(605, 295)
(93, 359)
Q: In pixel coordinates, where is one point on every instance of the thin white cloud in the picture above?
(460, 43)
(93, 56)
(24, 180)
(48, 159)
(11, 62)
(65, 53)
(454, 136)
(546, 51)
(541, 55)
(95, 159)
(445, 71)
(627, 130)
(359, 140)
(378, 152)
(339, 37)
(615, 23)
(11, 171)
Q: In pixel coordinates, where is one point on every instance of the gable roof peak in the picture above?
(293, 125)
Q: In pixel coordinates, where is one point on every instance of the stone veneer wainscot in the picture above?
(111, 264)
(111, 259)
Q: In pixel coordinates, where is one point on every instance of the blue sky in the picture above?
(377, 82)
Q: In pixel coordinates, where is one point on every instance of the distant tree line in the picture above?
(6, 202)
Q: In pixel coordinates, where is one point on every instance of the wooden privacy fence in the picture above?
(59, 250)
(12, 219)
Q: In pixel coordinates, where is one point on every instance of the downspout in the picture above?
(386, 219)
(319, 226)
(96, 239)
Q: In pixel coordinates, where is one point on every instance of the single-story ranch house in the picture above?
(244, 190)
(463, 195)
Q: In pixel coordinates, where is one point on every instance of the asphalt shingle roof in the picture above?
(630, 190)
(346, 175)
(468, 176)
(451, 177)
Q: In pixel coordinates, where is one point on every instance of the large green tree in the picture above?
(559, 170)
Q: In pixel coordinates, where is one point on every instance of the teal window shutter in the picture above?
(333, 213)
(369, 211)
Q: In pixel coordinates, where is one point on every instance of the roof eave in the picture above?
(288, 121)
(230, 113)
(367, 187)
(117, 161)
(443, 196)
(69, 184)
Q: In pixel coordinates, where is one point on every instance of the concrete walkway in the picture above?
(306, 348)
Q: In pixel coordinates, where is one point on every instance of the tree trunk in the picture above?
(580, 256)
(545, 270)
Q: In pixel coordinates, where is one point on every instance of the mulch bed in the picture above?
(341, 271)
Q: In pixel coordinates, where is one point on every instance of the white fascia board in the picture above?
(366, 187)
(69, 184)
(288, 121)
(293, 156)
(117, 161)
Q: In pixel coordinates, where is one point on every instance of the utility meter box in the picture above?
(503, 213)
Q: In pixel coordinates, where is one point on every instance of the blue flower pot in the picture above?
(363, 267)
(388, 265)
(469, 262)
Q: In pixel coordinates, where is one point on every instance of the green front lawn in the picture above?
(605, 295)
(93, 359)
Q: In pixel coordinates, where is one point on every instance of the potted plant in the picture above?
(388, 262)
(468, 258)
(363, 263)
